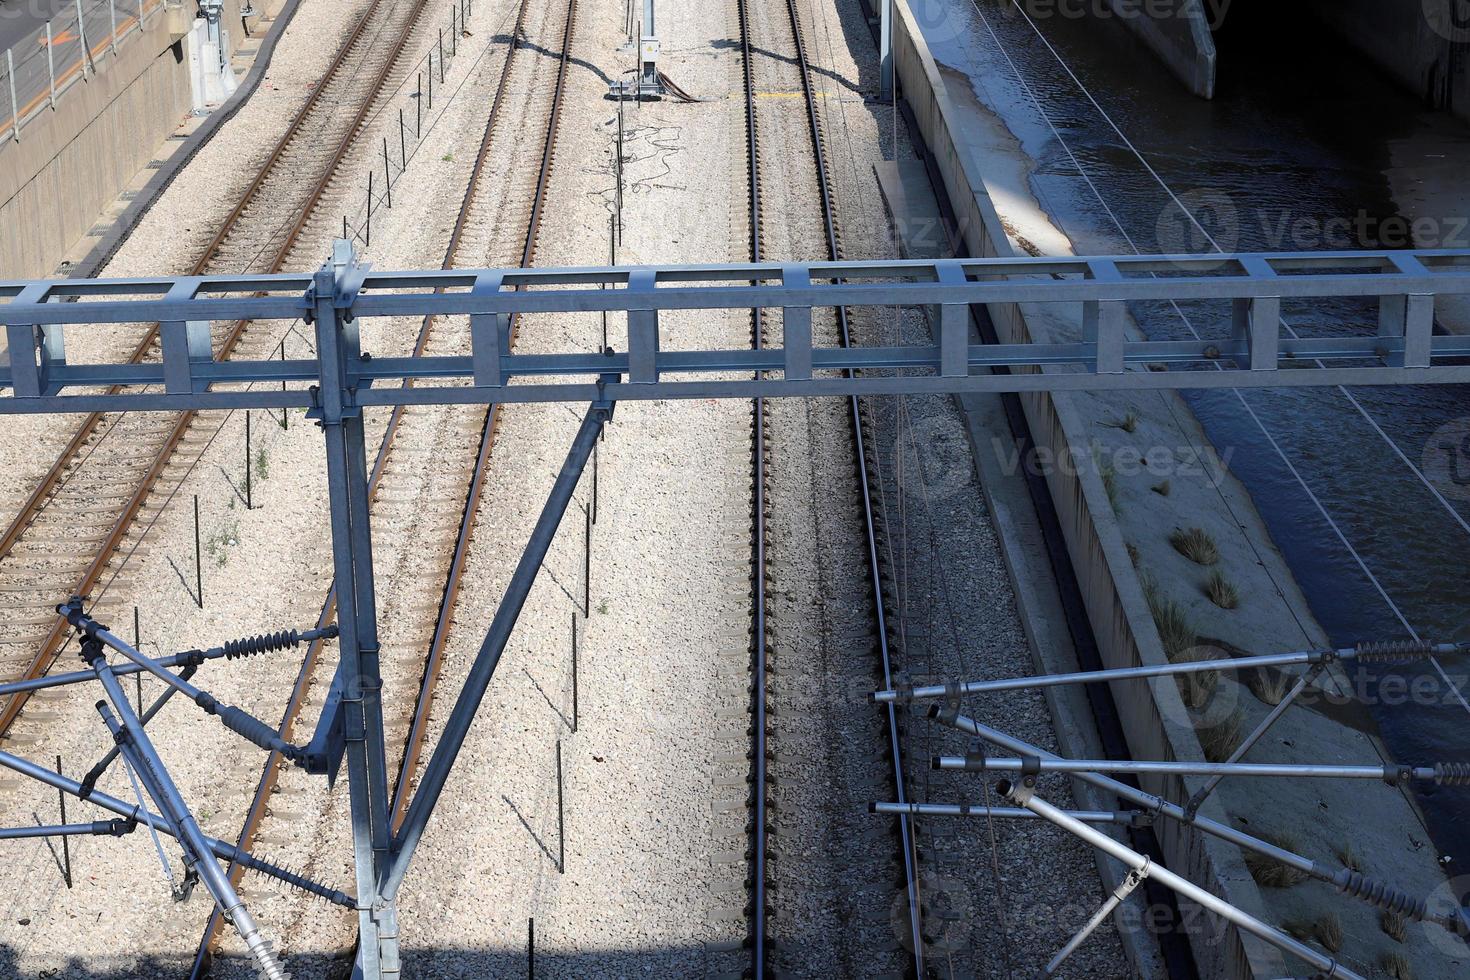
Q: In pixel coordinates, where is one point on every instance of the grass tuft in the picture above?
(1396, 965)
(1349, 858)
(1394, 925)
(1196, 544)
(1270, 873)
(1219, 742)
(1128, 423)
(1221, 592)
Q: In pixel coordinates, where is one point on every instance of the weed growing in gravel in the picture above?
(262, 464)
(1196, 544)
(1394, 926)
(1128, 423)
(602, 607)
(1326, 931)
(1349, 858)
(1175, 630)
(1221, 592)
(219, 543)
(1396, 965)
(1219, 742)
(1270, 873)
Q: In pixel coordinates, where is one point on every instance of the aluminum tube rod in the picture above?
(1183, 886)
(1203, 793)
(132, 811)
(148, 664)
(167, 795)
(95, 773)
(1124, 889)
(932, 691)
(1147, 800)
(1387, 772)
(1006, 812)
(99, 828)
(123, 669)
(1345, 880)
(475, 685)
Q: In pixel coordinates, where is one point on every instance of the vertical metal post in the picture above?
(361, 705)
(249, 499)
(65, 841)
(418, 111)
(50, 65)
(14, 100)
(431, 79)
(286, 412)
(576, 706)
(82, 39)
(561, 817)
(441, 56)
(367, 238)
(885, 51)
(402, 140)
(387, 174)
(198, 558)
(531, 949)
(587, 563)
(594, 484)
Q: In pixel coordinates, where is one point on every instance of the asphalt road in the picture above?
(19, 19)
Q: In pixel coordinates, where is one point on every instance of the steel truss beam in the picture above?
(652, 365)
(343, 381)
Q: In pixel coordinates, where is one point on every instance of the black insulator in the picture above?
(1393, 651)
(264, 643)
(1452, 773)
(1378, 893)
(290, 877)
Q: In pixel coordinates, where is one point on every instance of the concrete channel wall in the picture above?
(72, 160)
(1424, 45)
(1178, 31)
(1116, 606)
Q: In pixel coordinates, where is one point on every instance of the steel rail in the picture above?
(55, 639)
(758, 694)
(419, 726)
(874, 568)
(433, 660)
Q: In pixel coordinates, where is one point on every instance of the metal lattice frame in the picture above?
(344, 381)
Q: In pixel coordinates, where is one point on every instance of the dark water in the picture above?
(1306, 147)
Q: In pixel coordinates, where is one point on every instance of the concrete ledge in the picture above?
(72, 161)
(1112, 592)
(1178, 31)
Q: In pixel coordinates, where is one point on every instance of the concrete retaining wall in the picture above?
(1178, 31)
(1116, 605)
(1425, 44)
(71, 162)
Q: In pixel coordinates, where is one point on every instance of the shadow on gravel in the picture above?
(418, 964)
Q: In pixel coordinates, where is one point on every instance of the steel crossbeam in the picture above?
(340, 381)
(1400, 348)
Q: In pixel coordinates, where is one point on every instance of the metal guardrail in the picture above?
(36, 70)
(1400, 348)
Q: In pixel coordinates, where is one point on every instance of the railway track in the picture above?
(777, 34)
(73, 531)
(437, 506)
